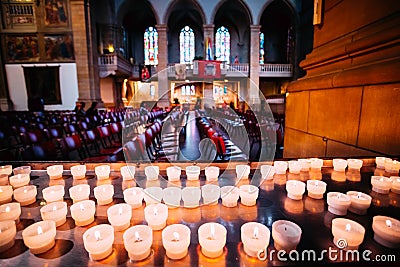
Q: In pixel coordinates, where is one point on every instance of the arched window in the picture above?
(222, 44)
(186, 43)
(262, 48)
(150, 46)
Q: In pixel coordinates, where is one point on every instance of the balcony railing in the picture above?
(276, 70)
(112, 64)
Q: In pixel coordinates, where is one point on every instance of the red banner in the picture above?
(209, 69)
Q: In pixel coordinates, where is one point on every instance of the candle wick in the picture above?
(285, 229)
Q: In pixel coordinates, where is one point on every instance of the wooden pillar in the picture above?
(253, 93)
(164, 94)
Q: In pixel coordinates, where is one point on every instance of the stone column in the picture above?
(164, 93)
(208, 30)
(253, 93)
(85, 52)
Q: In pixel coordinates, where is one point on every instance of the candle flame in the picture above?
(120, 211)
(155, 211)
(52, 192)
(19, 176)
(80, 189)
(25, 191)
(137, 237)
(255, 233)
(82, 207)
(97, 235)
(388, 223)
(381, 179)
(176, 236)
(348, 227)
(8, 209)
(104, 189)
(1, 190)
(134, 192)
(54, 208)
(212, 230)
(39, 230)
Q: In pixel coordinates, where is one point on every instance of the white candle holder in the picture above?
(83, 212)
(156, 216)
(286, 235)
(248, 194)
(6, 169)
(192, 173)
(79, 192)
(7, 235)
(295, 189)
(10, 211)
(339, 165)
(78, 172)
(255, 238)
(354, 164)
(56, 211)
(212, 239)
(172, 197)
(360, 202)
(25, 195)
(395, 184)
(174, 173)
(134, 197)
(176, 240)
(128, 172)
(22, 170)
(102, 172)
(104, 194)
(229, 196)
(212, 173)
(295, 167)
(6, 193)
(305, 164)
(4, 180)
(316, 189)
(347, 234)
(381, 184)
(267, 172)
(153, 195)
(392, 166)
(280, 167)
(98, 241)
(53, 193)
(211, 194)
(338, 203)
(380, 162)
(316, 163)
(119, 216)
(386, 231)
(152, 172)
(242, 171)
(191, 197)
(137, 241)
(55, 171)
(40, 237)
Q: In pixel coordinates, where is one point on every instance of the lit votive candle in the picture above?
(174, 173)
(153, 195)
(176, 240)
(294, 166)
(79, 192)
(212, 173)
(339, 165)
(152, 172)
(40, 237)
(395, 185)
(280, 167)
(56, 211)
(295, 189)
(386, 231)
(104, 194)
(53, 193)
(380, 162)
(355, 164)
(338, 203)
(137, 241)
(267, 172)
(134, 197)
(25, 195)
(55, 171)
(78, 172)
(120, 216)
(8, 230)
(6, 193)
(305, 164)
(229, 195)
(242, 171)
(212, 239)
(156, 215)
(381, 184)
(172, 196)
(255, 238)
(316, 163)
(98, 241)
(192, 172)
(22, 170)
(19, 180)
(210, 193)
(10, 211)
(286, 235)
(83, 212)
(360, 202)
(6, 169)
(102, 172)
(248, 194)
(191, 197)
(128, 172)
(347, 234)
(316, 189)
(392, 166)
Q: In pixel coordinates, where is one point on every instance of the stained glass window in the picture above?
(150, 46)
(222, 44)
(188, 90)
(262, 48)
(186, 43)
